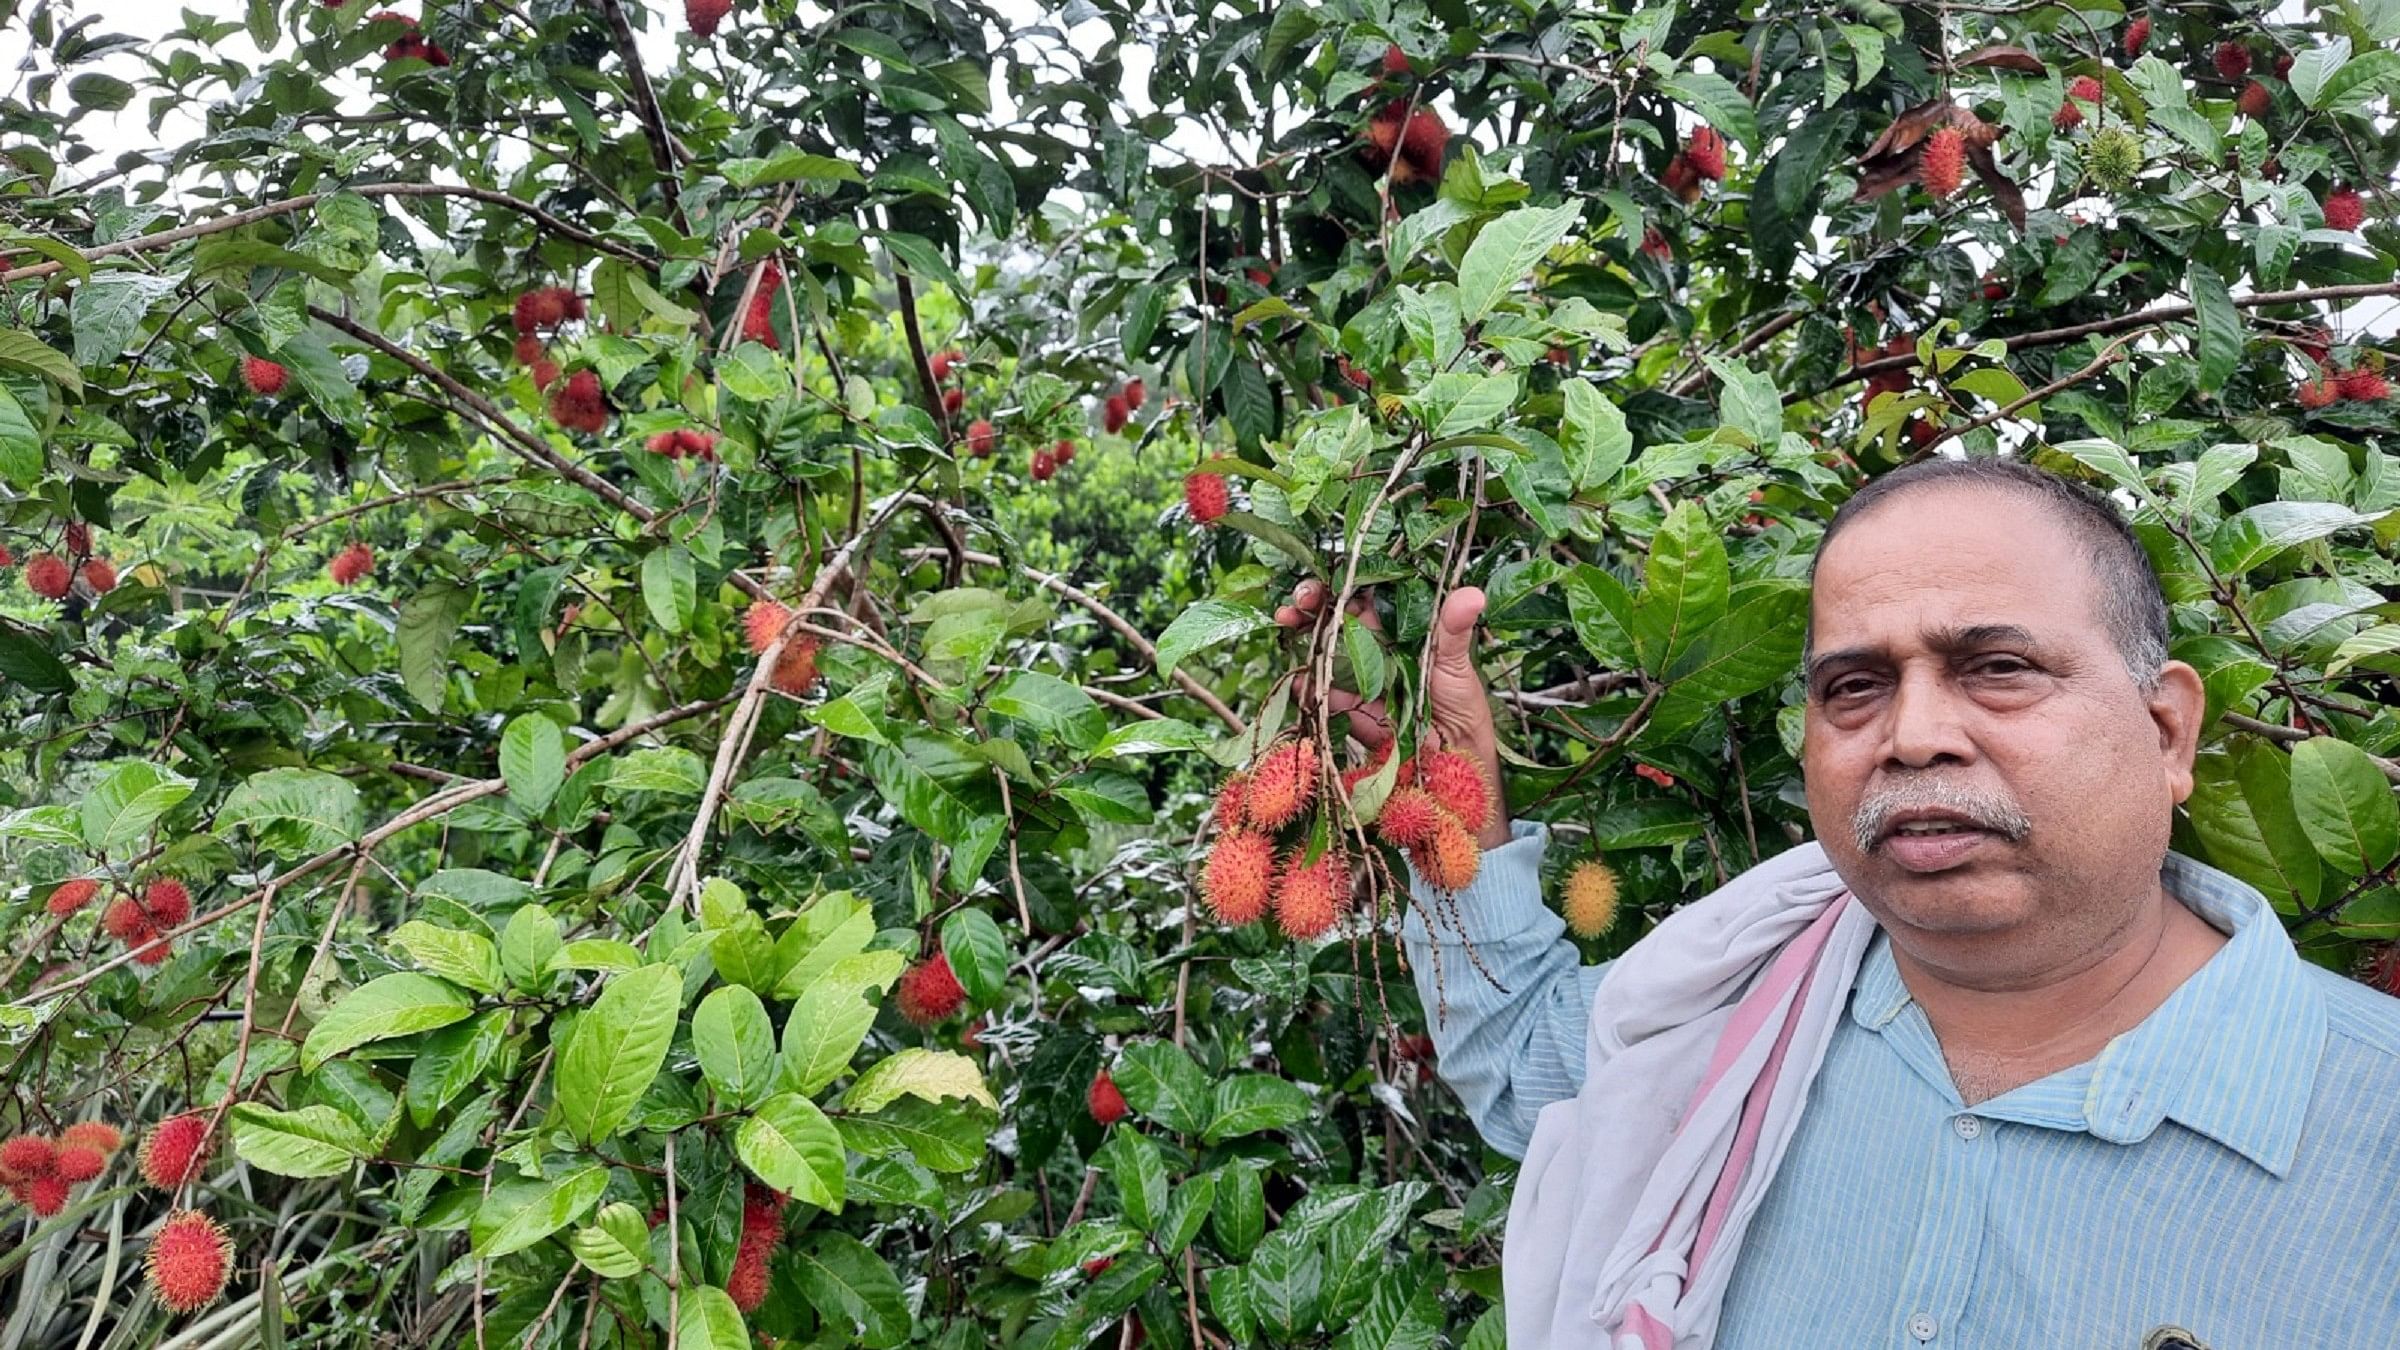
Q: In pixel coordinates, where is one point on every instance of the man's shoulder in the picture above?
(2363, 1023)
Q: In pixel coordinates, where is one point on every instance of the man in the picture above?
(2078, 1091)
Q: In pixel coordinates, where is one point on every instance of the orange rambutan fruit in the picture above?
(188, 1261)
(1239, 879)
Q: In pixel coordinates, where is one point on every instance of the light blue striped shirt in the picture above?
(2230, 1166)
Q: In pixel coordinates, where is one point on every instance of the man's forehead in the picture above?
(1942, 561)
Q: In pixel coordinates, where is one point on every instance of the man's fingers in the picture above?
(1454, 635)
(1290, 617)
(1370, 721)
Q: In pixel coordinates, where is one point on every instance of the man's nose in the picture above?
(1926, 723)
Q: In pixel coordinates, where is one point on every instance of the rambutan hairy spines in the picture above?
(929, 991)
(169, 902)
(2137, 35)
(1450, 859)
(2364, 385)
(1239, 879)
(1232, 809)
(49, 577)
(2085, 87)
(702, 17)
(188, 1261)
(2321, 390)
(351, 564)
(46, 1195)
(263, 377)
(1706, 151)
(27, 1156)
(1207, 496)
(175, 1150)
(1282, 784)
(72, 895)
(95, 1134)
(1310, 896)
(100, 574)
(1410, 817)
(763, 622)
(1136, 393)
(1590, 902)
(1104, 1100)
(2344, 209)
(1456, 781)
(1943, 162)
(125, 920)
(78, 1163)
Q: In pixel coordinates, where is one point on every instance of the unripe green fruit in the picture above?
(2114, 158)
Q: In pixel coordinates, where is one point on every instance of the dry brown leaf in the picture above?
(2000, 56)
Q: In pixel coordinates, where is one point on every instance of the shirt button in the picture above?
(1967, 1126)
(1921, 1326)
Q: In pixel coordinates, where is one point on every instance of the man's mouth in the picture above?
(1933, 841)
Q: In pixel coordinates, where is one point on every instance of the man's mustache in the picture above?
(1985, 808)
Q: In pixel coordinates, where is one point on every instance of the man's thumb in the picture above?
(1454, 630)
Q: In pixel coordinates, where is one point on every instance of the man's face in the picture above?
(1979, 761)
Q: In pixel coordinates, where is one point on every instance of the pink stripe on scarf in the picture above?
(1654, 1333)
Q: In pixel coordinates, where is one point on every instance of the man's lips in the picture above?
(1933, 841)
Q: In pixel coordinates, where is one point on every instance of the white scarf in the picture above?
(1705, 1037)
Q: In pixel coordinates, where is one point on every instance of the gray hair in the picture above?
(2132, 605)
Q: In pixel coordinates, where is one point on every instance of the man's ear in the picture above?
(2176, 707)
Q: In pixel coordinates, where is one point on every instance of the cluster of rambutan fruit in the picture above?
(1439, 801)
(141, 922)
(189, 1256)
(51, 577)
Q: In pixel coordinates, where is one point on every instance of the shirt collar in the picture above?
(2231, 1054)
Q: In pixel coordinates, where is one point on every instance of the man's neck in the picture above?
(1996, 1039)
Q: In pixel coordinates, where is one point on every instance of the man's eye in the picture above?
(1851, 686)
(2002, 665)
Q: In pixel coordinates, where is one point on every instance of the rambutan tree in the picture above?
(639, 641)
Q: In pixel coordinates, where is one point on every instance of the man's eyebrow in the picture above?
(1947, 641)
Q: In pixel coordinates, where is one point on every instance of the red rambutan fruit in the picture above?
(2137, 35)
(2068, 117)
(1114, 414)
(1422, 145)
(2085, 87)
(1395, 61)
(27, 1156)
(263, 377)
(1310, 896)
(1044, 465)
(1456, 782)
(188, 1261)
(1207, 496)
(2344, 209)
(1240, 877)
(351, 564)
(78, 1163)
(72, 896)
(1449, 860)
(942, 363)
(929, 991)
(1943, 163)
(2322, 391)
(1063, 452)
(168, 901)
(1282, 784)
(982, 438)
(697, 442)
(1410, 817)
(1706, 150)
(2232, 59)
(100, 574)
(125, 920)
(796, 670)
(96, 1134)
(2254, 100)
(702, 17)
(1655, 245)
(1654, 774)
(1106, 1103)
(545, 374)
(763, 622)
(528, 349)
(46, 1195)
(175, 1150)
(1136, 393)
(1233, 795)
(954, 401)
(154, 952)
(2365, 386)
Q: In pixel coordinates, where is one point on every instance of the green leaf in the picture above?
(2241, 807)
(526, 946)
(119, 811)
(1162, 1082)
(450, 1060)
(1602, 611)
(2350, 88)
(930, 1075)
(465, 959)
(24, 659)
(978, 953)
(1239, 1218)
(831, 1018)
(1685, 588)
(1752, 647)
(1717, 101)
(501, 1227)
(1748, 402)
(20, 350)
(608, 1057)
(1506, 250)
(1132, 1161)
(2267, 529)
(320, 372)
(1250, 1102)
(315, 1141)
(295, 813)
(663, 768)
(2344, 804)
(670, 586)
(2311, 68)
(1052, 706)
(1206, 625)
(1595, 440)
(2220, 327)
(615, 1245)
(708, 1320)
(734, 1041)
(533, 759)
(22, 459)
(790, 1145)
(108, 311)
(429, 621)
(789, 166)
(387, 1006)
(851, 1285)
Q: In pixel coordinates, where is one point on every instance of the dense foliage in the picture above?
(613, 681)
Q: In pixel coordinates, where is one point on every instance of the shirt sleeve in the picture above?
(1509, 1023)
